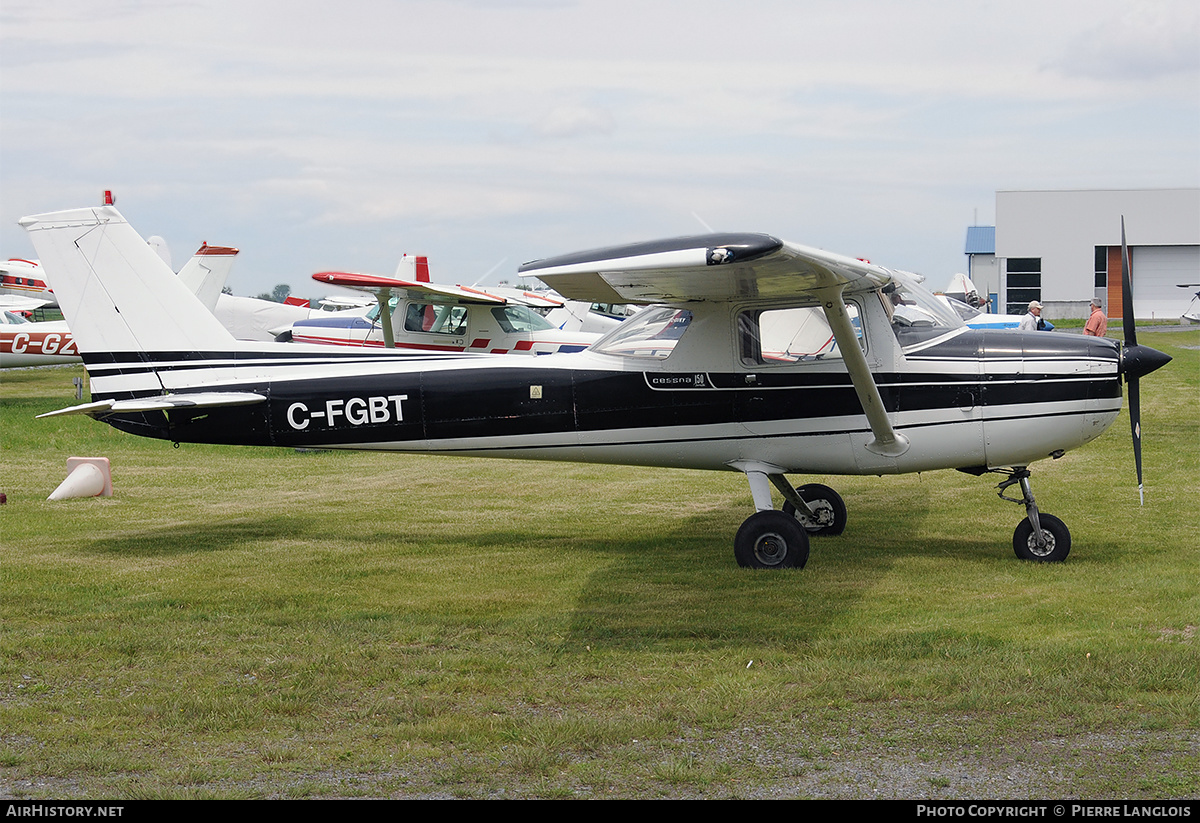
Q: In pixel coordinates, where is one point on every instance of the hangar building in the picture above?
(1064, 247)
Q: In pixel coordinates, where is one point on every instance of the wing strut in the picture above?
(887, 441)
(384, 296)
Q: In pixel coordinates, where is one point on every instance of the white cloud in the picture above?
(533, 123)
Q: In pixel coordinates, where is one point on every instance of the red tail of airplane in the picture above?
(413, 268)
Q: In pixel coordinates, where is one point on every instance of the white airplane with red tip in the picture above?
(728, 369)
(24, 278)
(418, 315)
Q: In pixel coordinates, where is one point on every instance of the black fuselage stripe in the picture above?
(516, 402)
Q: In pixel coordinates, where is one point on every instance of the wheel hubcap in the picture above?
(1041, 551)
(770, 549)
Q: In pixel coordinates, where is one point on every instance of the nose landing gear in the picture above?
(1039, 537)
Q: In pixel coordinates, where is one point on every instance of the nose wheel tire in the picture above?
(1057, 538)
(771, 540)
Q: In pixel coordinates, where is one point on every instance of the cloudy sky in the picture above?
(321, 135)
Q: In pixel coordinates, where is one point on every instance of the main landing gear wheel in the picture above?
(1057, 539)
(827, 505)
(771, 540)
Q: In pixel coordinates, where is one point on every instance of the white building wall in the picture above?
(984, 271)
(1064, 227)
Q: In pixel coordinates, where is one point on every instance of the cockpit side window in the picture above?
(435, 318)
(788, 336)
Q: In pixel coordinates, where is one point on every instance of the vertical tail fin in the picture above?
(115, 292)
(413, 268)
(205, 274)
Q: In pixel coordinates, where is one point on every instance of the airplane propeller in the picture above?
(1136, 361)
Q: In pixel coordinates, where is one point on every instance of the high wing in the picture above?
(496, 296)
(712, 267)
(535, 300)
(376, 284)
(383, 287)
(727, 267)
(15, 302)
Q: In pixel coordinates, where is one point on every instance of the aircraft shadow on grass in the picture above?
(181, 539)
(673, 590)
(668, 589)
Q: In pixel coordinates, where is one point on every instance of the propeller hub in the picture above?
(1137, 361)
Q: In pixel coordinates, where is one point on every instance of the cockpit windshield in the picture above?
(515, 318)
(960, 308)
(916, 313)
(651, 333)
(373, 313)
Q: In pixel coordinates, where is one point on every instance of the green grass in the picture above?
(266, 623)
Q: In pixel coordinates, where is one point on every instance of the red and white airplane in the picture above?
(702, 380)
(415, 314)
(24, 278)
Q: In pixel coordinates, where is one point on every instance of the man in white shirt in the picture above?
(1030, 321)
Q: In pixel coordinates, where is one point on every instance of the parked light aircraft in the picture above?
(49, 343)
(424, 316)
(23, 306)
(692, 383)
(1192, 313)
(24, 278)
(962, 296)
(976, 319)
(23, 343)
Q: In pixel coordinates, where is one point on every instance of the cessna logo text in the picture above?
(678, 381)
(353, 411)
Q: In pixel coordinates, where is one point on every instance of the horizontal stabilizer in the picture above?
(163, 402)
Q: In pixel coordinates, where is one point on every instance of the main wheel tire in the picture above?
(771, 540)
(828, 506)
(1058, 540)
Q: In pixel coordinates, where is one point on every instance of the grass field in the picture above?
(253, 623)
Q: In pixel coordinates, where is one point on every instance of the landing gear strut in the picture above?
(1039, 537)
(771, 539)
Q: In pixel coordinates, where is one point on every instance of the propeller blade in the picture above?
(1135, 361)
(1135, 399)
(1126, 292)
(1135, 427)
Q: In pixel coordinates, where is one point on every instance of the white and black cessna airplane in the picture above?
(760, 357)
